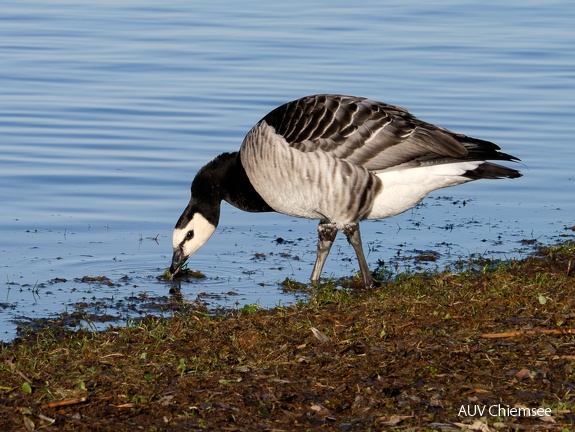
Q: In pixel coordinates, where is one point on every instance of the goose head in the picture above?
(190, 233)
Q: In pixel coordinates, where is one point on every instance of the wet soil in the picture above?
(490, 347)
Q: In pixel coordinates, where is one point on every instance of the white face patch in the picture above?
(201, 230)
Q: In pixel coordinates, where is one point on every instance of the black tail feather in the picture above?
(484, 150)
(490, 170)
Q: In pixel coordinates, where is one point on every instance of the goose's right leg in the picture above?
(326, 233)
(354, 238)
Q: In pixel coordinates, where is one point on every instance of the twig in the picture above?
(15, 370)
(46, 418)
(564, 357)
(65, 402)
(128, 405)
(524, 332)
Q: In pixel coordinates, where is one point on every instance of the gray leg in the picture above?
(353, 237)
(326, 233)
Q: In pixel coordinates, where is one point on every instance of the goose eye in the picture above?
(190, 234)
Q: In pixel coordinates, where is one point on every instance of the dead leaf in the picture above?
(29, 424)
(320, 411)
(477, 426)
(435, 401)
(319, 335)
(165, 400)
(523, 373)
(547, 419)
(550, 348)
(394, 420)
(279, 381)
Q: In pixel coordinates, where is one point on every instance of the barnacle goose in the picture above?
(339, 159)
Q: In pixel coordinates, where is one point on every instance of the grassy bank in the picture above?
(424, 351)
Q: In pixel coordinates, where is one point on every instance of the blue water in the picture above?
(107, 110)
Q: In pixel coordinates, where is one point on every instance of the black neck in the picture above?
(224, 178)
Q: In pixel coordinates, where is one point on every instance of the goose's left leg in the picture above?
(354, 238)
(326, 233)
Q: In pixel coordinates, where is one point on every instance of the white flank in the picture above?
(405, 188)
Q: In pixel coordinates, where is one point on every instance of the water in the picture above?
(108, 109)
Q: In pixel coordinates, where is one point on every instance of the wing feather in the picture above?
(373, 134)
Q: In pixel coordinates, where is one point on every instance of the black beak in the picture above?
(177, 260)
